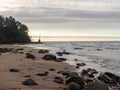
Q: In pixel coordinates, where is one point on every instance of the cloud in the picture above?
(66, 13)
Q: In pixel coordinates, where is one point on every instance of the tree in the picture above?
(12, 31)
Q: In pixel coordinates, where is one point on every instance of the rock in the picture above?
(80, 64)
(84, 72)
(75, 59)
(14, 70)
(66, 53)
(60, 59)
(92, 71)
(59, 53)
(58, 80)
(59, 72)
(29, 55)
(65, 73)
(27, 76)
(96, 86)
(20, 49)
(73, 86)
(49, 57)
(77, 67)
(72, 74)
(43, 74)
(52, 69)
(99, 50)
(4, 50)
(78, 48)
(109, 78)
(76, 79)
(29, 82)
(43, 51)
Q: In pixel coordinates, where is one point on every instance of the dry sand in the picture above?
(13, 80)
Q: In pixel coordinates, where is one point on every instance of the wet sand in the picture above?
(28, 67)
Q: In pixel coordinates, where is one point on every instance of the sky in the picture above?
(99, 18)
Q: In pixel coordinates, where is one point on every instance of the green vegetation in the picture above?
(12, 31)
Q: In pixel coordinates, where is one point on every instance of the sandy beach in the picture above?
(28, 68)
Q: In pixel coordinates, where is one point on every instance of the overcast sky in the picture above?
(66, 17)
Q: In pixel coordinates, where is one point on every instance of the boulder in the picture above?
(4, 50)
(92, 71)
(80, 64)
(59, 80)
(109, 78)
(73, 86)
(59, 53)
(43, 74)
(72, 74)
(76, 79)
(65, 73)
(43, 51)
(52, 69)
(49, 57)
(96, 86)
(29, 55)
(14, 70)
(20, 49)
(60, 59)
(29, 82)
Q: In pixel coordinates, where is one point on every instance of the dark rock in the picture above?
(43, 51)
(72, 74)
(96, 86)
(65, 73)
(77, 67)
(49, 57)
(66, 53)
(43, 74)
(51, 69)
(14, 70)
(59, 53)
(84, 72)
(4, 50)
(91, 75)
(75, 59)
(58, 80)
(92, 71)
(99, 50)
(20, 49)
(80, 64)
(78, 48)
(60, 59)
(29, 55)
(29, 82)
(77, 80)
(59, 72)
(73, 86)
(89, 80)
(109, 78)
(27, 76)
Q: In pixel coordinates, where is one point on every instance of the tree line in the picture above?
(12, 31)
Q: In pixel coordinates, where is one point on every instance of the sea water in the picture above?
(102, 56)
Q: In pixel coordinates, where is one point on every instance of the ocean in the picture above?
(100, 55)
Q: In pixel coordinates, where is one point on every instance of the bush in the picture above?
(12, 31)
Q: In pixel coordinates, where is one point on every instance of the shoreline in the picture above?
(28, 68)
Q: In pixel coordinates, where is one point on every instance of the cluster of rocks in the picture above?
(53, 57)
(110, 79)
(43, 51)
(30, 55)
(78, 65)
(18, 50)
(64, 52)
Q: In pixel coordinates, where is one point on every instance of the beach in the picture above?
(97, 57)
(28, 68)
